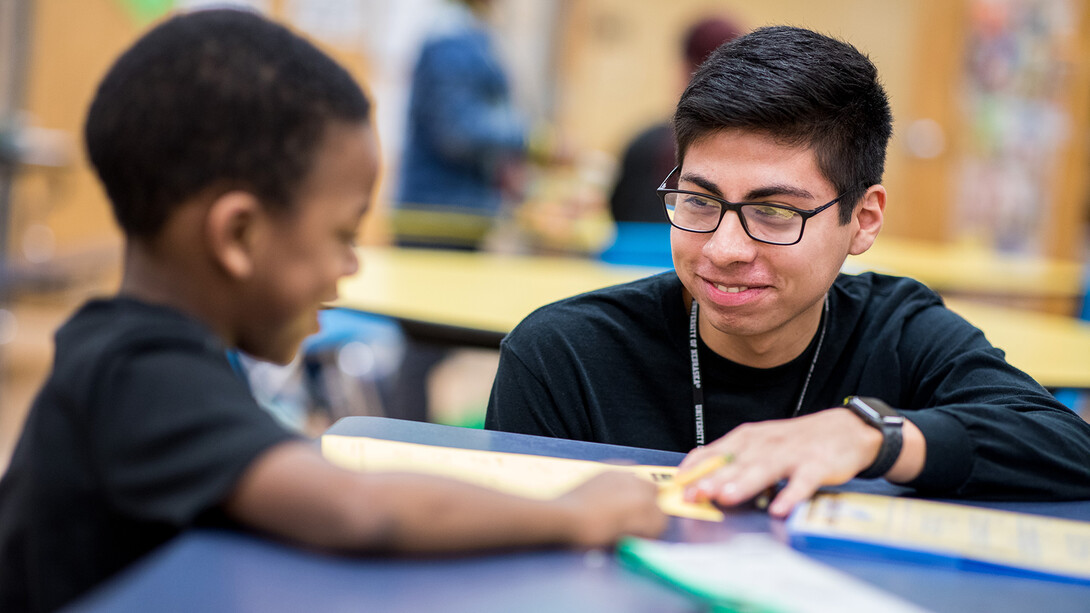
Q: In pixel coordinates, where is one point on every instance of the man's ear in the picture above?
(232, 229)
(869, 215)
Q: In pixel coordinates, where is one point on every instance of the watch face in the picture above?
(872, 410)
(869, 411)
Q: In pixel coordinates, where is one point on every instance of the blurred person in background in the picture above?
(464, 154)
(465, 142)
(650, 156)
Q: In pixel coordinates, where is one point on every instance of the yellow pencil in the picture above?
(704, 469)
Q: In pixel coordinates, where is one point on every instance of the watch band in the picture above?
(887, 420)
(888, 453)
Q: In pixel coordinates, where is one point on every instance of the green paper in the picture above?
(643, 556)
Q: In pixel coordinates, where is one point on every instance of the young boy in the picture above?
(239, 161)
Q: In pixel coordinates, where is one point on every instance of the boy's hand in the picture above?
(612, 505)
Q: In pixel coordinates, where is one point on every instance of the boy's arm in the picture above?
(293, 492)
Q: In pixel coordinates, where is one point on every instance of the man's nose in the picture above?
(730, 243)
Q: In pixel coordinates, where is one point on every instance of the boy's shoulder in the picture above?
(109, 322)
(105, 331)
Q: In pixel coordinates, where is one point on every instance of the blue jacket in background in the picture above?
(462, 128)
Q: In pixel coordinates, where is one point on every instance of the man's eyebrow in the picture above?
(779, 189)
(701, 182)
(767, 191)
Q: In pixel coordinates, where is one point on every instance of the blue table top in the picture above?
(226, 571)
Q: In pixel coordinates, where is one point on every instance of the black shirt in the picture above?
(141, 431)
(613, 366)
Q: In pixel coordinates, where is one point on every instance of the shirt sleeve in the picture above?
(174, 433)
(519, 401)
(991, 430)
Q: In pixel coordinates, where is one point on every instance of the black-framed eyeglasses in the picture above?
(766, 222)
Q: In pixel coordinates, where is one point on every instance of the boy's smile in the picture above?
(760, 303)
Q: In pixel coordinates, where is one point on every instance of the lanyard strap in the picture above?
(694, 358)
(698, 391)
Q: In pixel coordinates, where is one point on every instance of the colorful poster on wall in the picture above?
(1017, 82)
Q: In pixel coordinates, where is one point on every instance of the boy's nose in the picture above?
(352, 263)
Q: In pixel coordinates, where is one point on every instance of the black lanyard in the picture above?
(698, 389)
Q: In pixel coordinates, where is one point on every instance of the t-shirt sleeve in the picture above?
(991, 430)
(175, 430)
(539, 383)
(519, 401)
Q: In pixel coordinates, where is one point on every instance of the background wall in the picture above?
(593, 72)
(619, 71)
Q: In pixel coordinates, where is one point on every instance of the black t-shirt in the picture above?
(141, 431)
(613, 366)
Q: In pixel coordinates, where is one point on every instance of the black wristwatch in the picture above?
(887, 420)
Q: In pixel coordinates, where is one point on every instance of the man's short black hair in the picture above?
(213, 98)
(801, 88)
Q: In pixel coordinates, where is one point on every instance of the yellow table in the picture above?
(471, 290)
(1053, 349)
(966, 271)
(476, 298)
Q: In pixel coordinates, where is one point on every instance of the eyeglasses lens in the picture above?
(763, 222)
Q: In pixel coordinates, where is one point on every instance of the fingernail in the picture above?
(728, 490)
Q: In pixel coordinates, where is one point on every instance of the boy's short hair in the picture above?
(801, 88)
(213, 98)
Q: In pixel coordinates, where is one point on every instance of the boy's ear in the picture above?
(232, 230)
(869, 215)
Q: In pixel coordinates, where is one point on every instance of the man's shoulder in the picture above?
(874, 289)
(633, 302)
(879, 302)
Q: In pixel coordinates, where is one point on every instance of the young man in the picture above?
(239, 161)
(756, 340)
